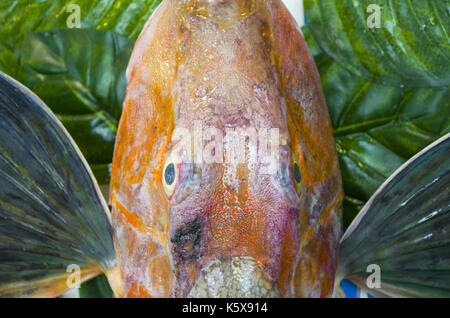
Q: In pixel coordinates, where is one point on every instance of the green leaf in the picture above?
(20, 17)
(80, 75)
(125, 17)
(9, 62)
(97, 287)
(411, 47)
(376, 127)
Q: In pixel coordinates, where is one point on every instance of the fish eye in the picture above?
(297, 173)
(170, 174)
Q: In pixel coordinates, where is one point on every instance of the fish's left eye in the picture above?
(170, 175)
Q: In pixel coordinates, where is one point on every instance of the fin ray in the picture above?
(405, 229)
(52, 213)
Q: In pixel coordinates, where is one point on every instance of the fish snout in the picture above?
(235, 277)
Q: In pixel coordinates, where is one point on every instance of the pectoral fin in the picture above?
(53, 218)
(404, 229)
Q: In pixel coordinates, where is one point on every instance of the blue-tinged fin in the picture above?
(405, 230)
(52, 213)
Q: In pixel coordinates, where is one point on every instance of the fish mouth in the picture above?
(236, 277)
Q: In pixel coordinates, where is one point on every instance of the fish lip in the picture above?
(234, 277)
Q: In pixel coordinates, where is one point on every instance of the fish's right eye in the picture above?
(297, 173)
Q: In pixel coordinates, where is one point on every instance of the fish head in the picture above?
(225, 180)
(233, 208)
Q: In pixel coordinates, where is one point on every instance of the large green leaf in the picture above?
(126, 17)
(21, 17)
(80, 74)
(376, 127)
(411, 47)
